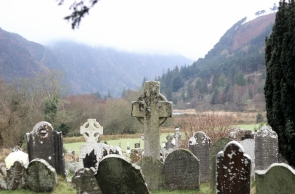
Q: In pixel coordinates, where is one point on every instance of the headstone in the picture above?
(91, 153)
(137, 145)
(218, 146)
(16, 176)
(248, 145)
(182, 170)
(169, 144)
(177, 137)
(152, 109)
(117, 175)
(46, 143)
(153, 172)
(41, 176)
(128, 150)
(3, 169)
(3, 184)
(136, 154)
(200, 145)
(17, 155)
(84, 181)
(266, 148)
(233, 170)
(278, 178)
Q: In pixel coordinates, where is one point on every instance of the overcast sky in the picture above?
(188, 27)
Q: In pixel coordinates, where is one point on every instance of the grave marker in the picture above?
(182, 170)
(153, 172)
(16, 176)
(266, 148)
(216, 148)
(278, 178)
(117, 175)
(45, 143)
(200, 145)
(152, 109)
(233, 170)
(249, 148)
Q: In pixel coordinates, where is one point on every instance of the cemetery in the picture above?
(198, 164)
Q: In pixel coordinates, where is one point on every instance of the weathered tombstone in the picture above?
(182, 170)
(233, 170)
(248, 145)
(177, 137)
(128, 150)
(17, 155)
(266, 148)
(16, 176)
(152, 109)
(136, 154)
(169, 144)
(41, 176)
(215, 149)
(84, 181)
(3, 184)
(46, 143)
(137, 145)
(91, 153)
(153, 172)
(200, 145)
(117, 175)
(3, 169)
(278, 178)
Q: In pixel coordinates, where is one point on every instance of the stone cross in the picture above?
(91, 130)
(152, 109)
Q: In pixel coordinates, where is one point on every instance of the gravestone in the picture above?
(137, 145)
(200, 145)
(91, 153)
(249, 147)
(3, 169)
(85, 182)
(16, 176)
(218, 146)
(46, 143)
(41, 176)
(233, 170)
(128, 150)
(117, 175)
(266, 148)
(17, 155)
(182, 170)
(3, 184)
(169, 144)
(136, 154)
(278, 178)
(152, 109)
(177, 137)
(153, 172)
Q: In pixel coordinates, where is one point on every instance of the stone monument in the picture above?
(152, 109)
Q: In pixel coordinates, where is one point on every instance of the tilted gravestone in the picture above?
(200, 145)
(85, 182)
(91, 153)
(117, 175)
(152, 109)
(16, 176)
(182, 170)
(266, 148)
(233, 170)
(46, 143)
(41, 176)
(249, 148)
(278, 178)
(218, 146)
(153, 172)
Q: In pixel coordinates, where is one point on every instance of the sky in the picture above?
(187, 27)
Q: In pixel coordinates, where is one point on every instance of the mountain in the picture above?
(232, 72)
(86, 69)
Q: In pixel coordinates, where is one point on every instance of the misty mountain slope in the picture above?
(86, 69)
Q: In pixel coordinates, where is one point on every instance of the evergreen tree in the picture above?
(280, 79)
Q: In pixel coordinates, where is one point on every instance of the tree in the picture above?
(80, 9)
(280, 79)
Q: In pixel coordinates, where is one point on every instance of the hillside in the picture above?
(231, 75)
(86, 69)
